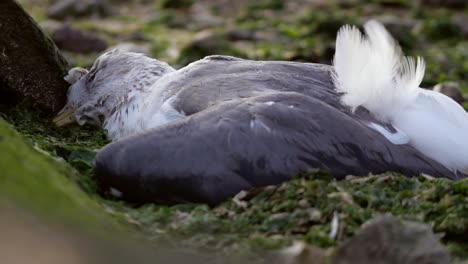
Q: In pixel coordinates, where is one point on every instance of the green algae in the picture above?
(302, 209)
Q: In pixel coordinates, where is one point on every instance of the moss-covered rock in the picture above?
(40, 183)
(32, 69)
(41, 205)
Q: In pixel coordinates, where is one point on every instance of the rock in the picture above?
(135, 36)
(64, 9)
(132, 47)
(450, 89)
(32, 68)
(240, 35)
(386, 239)
(78, 41)
(462, 22)
(205, 44)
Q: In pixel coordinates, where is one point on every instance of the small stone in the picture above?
(344, 196)
(67, 38)
(314, 215)
(304, 203)
(299, 252)
(238, 199)
(386, 239)
(450, 89)
(64, 9)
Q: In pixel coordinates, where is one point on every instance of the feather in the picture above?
(371, 71)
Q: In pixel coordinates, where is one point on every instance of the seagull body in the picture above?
(224, 124)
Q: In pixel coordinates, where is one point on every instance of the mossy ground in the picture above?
(267, 218)
(301, 209)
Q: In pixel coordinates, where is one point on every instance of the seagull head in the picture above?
(95, 94)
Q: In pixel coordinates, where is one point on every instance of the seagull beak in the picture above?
(65, 116)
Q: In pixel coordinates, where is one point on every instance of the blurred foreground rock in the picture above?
(32, 68)
(450, 89)
(388, 240)
(46, 218)
(382, 240)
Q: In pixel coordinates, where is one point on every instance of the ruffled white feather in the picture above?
(372, 72)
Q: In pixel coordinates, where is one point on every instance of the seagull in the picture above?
(224, 124)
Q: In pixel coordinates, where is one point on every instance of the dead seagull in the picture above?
(223, 124)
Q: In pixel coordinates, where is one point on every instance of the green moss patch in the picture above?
(39, 182)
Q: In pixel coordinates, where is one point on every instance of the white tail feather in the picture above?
(371, 71)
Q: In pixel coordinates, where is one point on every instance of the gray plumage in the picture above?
(250, 124)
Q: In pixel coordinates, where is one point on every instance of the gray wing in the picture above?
(250, 142)
(218, 79)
